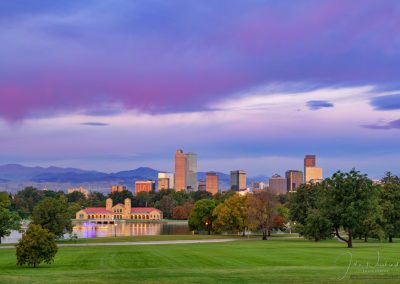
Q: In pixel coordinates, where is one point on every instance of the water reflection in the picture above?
(92, 230)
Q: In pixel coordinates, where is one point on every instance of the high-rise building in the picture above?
(145, 185)
(191, 172)
(185, 171)
(312, 173)
(212, 182)
(118, 188)
(309, 161)
(180, 170)
(258, 185)
(238, 180)
(165, 181)
(294, 179)
(202, 185)
(277, 184)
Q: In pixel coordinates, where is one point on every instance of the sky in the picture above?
(252, 85)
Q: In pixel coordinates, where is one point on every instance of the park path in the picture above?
(175, 242)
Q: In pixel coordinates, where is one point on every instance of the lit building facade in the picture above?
(212, 182)
(118, 188)
(145, 186)
(185, 171)
(165, 181)
(180, 170)
(238, 180)
(277, 184)
(294, 180)
(118, 212)
(312, 173)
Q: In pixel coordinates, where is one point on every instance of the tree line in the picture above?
(348, 205)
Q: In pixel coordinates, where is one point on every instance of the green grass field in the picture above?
(242, 261)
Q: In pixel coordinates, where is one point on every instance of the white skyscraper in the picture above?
(191, 172)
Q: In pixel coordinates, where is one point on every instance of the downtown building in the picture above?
(312, 173)
(238, 180)
(145, 186)
(294, 180)
(165, 181)
(212, 183)
(277, 184)
(185, 171)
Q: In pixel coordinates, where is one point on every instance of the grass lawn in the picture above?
(253, 261)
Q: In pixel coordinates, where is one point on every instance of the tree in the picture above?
(182, 212)
(231, 216)
(390, 203)
(26, 199)
(307, 197)
(9, 221)
(96, 199)
(349, 198)
(120, 196)
(53, 215)
(261, 211)
(37, 245)
(317, 226)
(167, 204)
(200, 194)
(76, 197)
(5, 200)
(201, 217)
(143, 199)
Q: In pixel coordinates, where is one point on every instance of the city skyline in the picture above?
(251, 86)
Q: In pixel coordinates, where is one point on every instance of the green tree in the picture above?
(53, 215)
(201, 217)
(76, 197)
(200, 194)
(231, 216)
(390, 203)
(120, 196)
(307, 198)
(5, 199)
(37, 245)
(167, 205)
(317, 226)
(26, 199)
(96, 199)
(349, 199)
(9, 221)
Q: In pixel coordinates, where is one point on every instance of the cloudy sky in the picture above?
(253, 85)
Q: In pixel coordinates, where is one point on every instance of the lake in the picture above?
(91, 230)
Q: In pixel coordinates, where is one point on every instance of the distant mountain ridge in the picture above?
(19, 175)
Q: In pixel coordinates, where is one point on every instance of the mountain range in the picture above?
(14, 177)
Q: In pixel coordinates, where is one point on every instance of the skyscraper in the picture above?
(311, 172)
(180, 170)
(212, 182)
(165, 181)
(277, 184)
(191, 172)
(238, 180)
(294, 179)
(185, 171)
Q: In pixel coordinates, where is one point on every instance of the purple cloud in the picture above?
(389, 102)
(94, 124)
(178, 56)
(395, 124)
(316, 105)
